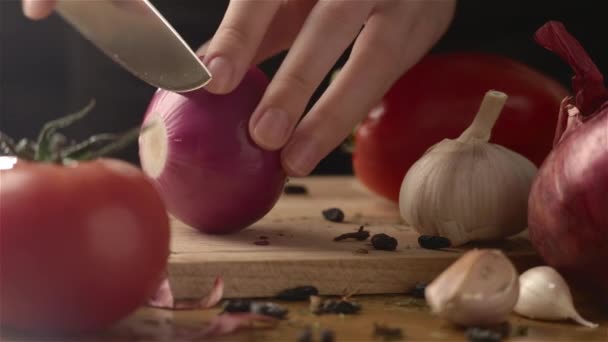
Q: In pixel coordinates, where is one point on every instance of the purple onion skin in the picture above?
(568, 204)
(216, 179)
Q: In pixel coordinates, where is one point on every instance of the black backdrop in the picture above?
(47, 69)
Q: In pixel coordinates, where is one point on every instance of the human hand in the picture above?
(37, 9)
(390, 36)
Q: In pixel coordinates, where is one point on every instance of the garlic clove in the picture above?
(480, 288)
(544, 294)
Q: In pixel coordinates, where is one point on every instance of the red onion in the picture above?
(568, 204)
(200, 156)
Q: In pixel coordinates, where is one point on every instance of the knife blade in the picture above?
(135, 35)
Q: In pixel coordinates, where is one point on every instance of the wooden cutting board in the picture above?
(301, 250)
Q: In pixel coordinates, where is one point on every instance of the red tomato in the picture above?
(80, 246)
(437, 99)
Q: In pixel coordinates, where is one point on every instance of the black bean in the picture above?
(433, 242)
(298, 293)
(269, 309)
(293, 189)
(483, 335)
(339, 307)
(384, 242)
(262, 308)
(237, 305)
(333, 214)
(418, 290)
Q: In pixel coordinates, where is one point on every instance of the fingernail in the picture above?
(272, 128)
(300, 158)
(221, 71)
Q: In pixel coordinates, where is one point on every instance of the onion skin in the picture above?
(215, 178)
(568, 202)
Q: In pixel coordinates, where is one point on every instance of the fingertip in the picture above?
(299, 157)
(202, 50)
(270, 128)
(37, 9)
(222, 72)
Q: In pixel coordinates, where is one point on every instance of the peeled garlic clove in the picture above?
(480, 288)
(544, 294)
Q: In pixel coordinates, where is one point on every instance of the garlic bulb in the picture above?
(544, 294)
(468, 189)
(480, 288)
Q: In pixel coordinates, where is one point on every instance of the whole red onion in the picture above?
(568, 204)
(200, 156)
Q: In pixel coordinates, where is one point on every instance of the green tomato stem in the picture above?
(44, 151)
(52, 146)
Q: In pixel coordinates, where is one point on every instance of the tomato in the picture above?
(81, 246)
(437, 99)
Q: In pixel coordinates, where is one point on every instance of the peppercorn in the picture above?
(333, 214)
(384, 242)
(433, 242)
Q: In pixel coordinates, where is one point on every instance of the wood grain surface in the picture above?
(301, 249)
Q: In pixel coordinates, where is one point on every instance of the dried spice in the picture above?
(388, 333)
(418, 290)
(333, 214)
(298, 293)
(327, 336)
(384, 242)
(260, 308)
(361, 251)
(476, 334)
(331, 306)
(359, 235)
(295, 189)
(433, 242)
(261, 242)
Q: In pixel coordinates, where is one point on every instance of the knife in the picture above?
(136, 36)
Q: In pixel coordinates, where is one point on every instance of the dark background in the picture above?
(47, 69)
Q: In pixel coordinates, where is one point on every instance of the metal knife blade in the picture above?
(136, 36)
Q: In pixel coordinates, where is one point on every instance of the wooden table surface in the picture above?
(410, 314)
